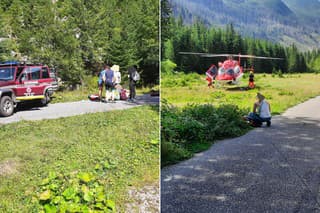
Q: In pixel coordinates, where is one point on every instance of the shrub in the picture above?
(183, 129)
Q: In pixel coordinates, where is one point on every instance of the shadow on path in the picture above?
(274, 169)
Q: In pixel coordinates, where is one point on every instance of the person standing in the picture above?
(100, 81)
(117, 74)
(117, 81)
(109, 82)
(251, 80)
(132, 82)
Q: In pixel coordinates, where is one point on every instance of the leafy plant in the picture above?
(75, 192)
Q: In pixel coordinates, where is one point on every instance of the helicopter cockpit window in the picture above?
(237, 69)
(221, 71)
(213, 70)
(230, 71)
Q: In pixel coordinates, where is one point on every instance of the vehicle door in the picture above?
(29, 82)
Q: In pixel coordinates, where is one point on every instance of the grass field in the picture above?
(282, 91)
(30, 151)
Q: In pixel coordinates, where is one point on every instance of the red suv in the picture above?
(20, 82)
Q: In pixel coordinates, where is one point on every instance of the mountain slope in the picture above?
(284, 21)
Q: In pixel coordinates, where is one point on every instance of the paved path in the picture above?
(53, 111)
(274, 169)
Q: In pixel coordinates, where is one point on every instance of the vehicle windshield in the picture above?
(6, 73)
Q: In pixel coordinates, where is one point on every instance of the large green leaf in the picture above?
(50, 209)
(69, 193)
(85, 177)
(111, 205)
(46, 195)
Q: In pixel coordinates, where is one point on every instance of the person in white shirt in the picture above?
(261, 112)
(117, 74)
(117, 81)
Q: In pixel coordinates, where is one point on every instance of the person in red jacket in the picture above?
(211, 75)
(251, 80)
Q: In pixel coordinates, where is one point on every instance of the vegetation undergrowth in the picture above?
(81, 162)
(193, 128)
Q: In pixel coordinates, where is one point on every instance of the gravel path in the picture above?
(53, 111)
(274, 169)
(144, 200)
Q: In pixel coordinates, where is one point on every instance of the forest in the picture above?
(198, 37)
(78, 37)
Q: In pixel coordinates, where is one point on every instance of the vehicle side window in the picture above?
(35, 73)
(24, 76)
(45, 72)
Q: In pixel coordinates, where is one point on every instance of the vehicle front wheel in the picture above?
(46, 99)
(6, 106)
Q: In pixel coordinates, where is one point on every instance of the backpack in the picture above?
(123, 95)
(109, 75)
(94, 97)
(136, 76)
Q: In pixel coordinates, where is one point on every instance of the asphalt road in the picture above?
(274, 169)
(53, 111)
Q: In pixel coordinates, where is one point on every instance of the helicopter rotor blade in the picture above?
(191, 53)
(259, 57)
(217, 55)
(209, 55)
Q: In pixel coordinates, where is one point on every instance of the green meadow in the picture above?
(281, 90)
(85, 163)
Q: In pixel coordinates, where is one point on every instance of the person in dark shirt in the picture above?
(132, 83)
(109, 82)
(100, 82)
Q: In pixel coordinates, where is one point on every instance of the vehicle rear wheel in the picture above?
(46, 99)
(6, 106)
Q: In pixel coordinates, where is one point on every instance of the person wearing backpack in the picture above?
(109, 82)
(133, 78)
(100, 82)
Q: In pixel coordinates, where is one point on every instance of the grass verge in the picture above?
(31, 151)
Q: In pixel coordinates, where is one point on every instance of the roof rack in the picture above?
(19, 63)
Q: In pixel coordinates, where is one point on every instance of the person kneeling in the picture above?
(261, 112)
